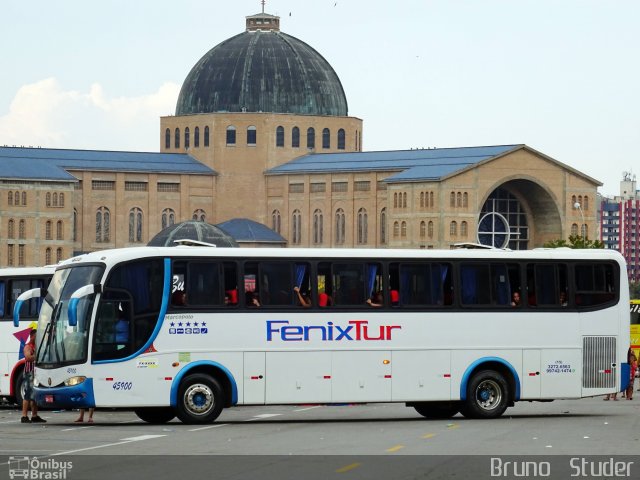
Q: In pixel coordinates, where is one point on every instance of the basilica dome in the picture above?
(262, 70)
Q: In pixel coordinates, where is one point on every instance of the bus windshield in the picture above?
(58, 342)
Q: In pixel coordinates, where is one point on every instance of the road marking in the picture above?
(308, 408)
(123, 442)
(395, 449)
(75, 428)
(348, 468)
(429, 435)
(452, 426)
(267, 415)
(208, 427)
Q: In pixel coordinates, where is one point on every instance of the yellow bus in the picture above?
(635, 327)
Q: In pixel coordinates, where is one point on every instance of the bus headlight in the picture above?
(70, 382)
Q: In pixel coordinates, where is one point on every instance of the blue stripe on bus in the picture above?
(188, 368)
(166, 292)
(467, 375)
(77, 396)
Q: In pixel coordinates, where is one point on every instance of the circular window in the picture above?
(493, 230)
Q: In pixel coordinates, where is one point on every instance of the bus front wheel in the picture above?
(200, 399)
(487, 395)
(156, 415)
(18, 388)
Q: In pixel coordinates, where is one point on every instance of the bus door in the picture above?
(531, 376)
(254, 378)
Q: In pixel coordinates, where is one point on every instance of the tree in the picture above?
(575, 241)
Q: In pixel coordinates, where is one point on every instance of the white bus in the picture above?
(13, 282)
(187, 331)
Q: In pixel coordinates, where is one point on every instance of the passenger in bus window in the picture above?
(324, 299)
(179, 298)
(515, 301)
(376, 300)
(252, 299)
(563, 299)
(303, 298)
(122, 330)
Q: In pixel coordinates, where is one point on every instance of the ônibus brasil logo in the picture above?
(354, 330)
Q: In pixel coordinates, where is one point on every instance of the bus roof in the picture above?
(127, 254)
(26, 271)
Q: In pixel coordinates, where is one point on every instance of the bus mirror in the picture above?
(33, 293)
(79, 294)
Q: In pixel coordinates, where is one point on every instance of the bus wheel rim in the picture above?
(198, 399)
(488, 394)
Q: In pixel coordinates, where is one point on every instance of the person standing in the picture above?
(80, 419)
(28, 402)
(633, 366)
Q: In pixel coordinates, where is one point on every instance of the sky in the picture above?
(562, 76)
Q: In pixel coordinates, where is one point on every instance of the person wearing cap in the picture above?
(29, 366)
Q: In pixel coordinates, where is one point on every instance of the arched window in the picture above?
(574, 229)
(396, 229)
(573, 201)
(404, 200)
(430, 229)
(177, 138)
(317, 226)
(280, 136)
(453, 229)
(47, 199)
(463, 229)
(251, 135)
(421, 199)
(231, 135)
(584, 231)
(47, 256)
(296, 227)
(363, 227)
(275, 221)
(47, 231)
(580, 201)
(341, 139)
(431, 204)
(459, 199)
(103, 225)
(135, 225)
(311, 138)
(395, 200)
(61, 202)
(22, 227)
(10, 198)
(452, 199)
(187, 137)
(75, 225)
(383, 226)
(586, 203)
(295, 137)
(196, 137)
(403, 229)
(326, 138)
(59, 230)
(11, 229)
(206, 136)
(168, 217)
(16, 198)
(465, 199)
(59, 254)
(199, 215)
(167, 138)
(423, 229)
(24, 199)
(340, 226)
(55, 199)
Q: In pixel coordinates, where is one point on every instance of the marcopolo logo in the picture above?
(354, 330)
(38, 469)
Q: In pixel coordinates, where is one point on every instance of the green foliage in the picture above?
(575, 241)
(634, 290)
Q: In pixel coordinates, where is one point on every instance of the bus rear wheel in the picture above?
(487, 395)
(200, 399)
(437, 409)
(156, 415)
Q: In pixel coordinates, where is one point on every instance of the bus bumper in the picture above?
(78, 396)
